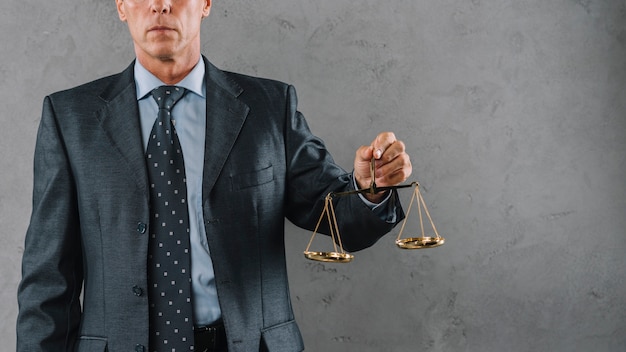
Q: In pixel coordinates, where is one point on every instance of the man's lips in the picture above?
(160, 29)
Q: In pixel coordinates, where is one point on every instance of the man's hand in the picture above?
(393, 165)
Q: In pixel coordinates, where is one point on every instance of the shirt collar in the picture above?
(146, 81)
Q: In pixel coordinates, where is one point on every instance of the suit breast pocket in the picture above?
(252, 179)
(91, 344)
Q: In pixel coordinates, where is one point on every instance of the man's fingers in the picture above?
(365, 152)
(383, 141)
(396, 170)
(393, 165)
(394, 150)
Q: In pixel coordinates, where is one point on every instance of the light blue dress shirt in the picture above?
(189, 116)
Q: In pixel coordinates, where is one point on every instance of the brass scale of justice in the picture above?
(339, 255)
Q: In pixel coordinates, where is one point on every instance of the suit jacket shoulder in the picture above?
(93, 95)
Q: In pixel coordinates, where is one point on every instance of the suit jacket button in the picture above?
(137, 291)
(140, 348)
(141, 227)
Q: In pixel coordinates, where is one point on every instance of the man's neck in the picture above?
(169, 71)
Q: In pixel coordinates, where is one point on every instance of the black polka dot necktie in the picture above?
(169, 294)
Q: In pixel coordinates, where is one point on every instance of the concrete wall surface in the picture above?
(514, 113)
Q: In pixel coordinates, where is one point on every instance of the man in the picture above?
(249, 162)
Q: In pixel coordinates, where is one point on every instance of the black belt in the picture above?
(210, 338)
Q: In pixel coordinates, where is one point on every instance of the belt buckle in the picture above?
(206, 328)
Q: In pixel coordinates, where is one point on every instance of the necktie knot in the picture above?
(167, 96)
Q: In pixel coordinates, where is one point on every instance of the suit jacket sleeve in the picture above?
(52, 271)
(312, 174)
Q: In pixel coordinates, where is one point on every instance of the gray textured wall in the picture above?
(514, 113)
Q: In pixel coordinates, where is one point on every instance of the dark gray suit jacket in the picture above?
(91, 208)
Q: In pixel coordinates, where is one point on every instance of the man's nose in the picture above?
(161, 6)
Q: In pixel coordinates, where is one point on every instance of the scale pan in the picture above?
(420, 242)
(332, 257)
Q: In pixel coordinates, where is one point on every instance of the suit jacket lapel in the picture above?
(120, 121)
(225, 117)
